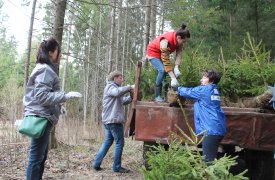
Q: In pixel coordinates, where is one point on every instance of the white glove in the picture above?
(133, 86)
(63, 110)
(174, 82)
(177, 71)
(73, 94)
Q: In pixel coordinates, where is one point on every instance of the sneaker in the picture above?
(159, 99)
(123, 170)
(97, 168)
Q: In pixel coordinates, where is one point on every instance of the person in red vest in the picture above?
(158, 53)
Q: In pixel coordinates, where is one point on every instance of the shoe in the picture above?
(123, 170)
(97, 168)
(159, 99)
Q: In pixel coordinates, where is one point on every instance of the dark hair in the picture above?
(213, 76)
(45, 47)
(183, 32)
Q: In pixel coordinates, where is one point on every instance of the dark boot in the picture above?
(165, 90)
(158, 97)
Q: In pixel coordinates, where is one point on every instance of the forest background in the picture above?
(236, 37)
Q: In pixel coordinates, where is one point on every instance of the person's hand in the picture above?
(133, 86)
(174, 82)
(63, 110)
(73, 94)
(177, 71)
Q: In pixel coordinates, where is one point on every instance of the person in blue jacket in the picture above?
(208, 114)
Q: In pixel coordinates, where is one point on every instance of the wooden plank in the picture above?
(131, 118)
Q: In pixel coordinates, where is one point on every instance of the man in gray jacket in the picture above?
(113, 118)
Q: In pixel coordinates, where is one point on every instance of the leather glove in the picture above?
(73, 94)
(174, 82)
(177, 71)
(63, 110)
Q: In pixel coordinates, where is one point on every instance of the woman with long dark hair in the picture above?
(43, 98)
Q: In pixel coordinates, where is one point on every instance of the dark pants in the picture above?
(210, 146)
(38, 155)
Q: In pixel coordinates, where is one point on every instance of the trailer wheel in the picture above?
(260, 164)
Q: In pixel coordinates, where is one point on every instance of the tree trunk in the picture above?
(162, 17)
(257, 20)
(124, 38)
(27, 63)
(112, 34)
(67, 59)
(98, 74)
(147, 26)
(118, 64)
(60, 9)
(153, 20)
(86, 77)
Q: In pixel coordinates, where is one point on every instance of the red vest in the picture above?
(153, 48)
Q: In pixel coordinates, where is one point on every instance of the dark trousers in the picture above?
(38, 155)
(210, 146)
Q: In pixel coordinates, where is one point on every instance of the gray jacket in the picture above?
(43, 95)
(113, 101)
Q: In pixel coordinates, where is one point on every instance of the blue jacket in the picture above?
(208, 114)
(113, 101)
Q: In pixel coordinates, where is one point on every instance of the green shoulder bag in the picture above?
(33, 126)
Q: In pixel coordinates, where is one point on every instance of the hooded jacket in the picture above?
(208, 114)
(43, 95)
(113, 101)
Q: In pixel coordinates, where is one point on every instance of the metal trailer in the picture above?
(250, 131)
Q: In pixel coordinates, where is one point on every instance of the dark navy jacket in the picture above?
(208, 114)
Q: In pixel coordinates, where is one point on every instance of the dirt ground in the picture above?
(71, 162)
(68, 161)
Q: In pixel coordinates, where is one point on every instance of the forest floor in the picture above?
(68, 161)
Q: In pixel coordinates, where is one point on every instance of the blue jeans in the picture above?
(38, 155)
(113, 132)
(157, 63)
(210, 145)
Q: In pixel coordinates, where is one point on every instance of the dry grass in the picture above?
(72, 159)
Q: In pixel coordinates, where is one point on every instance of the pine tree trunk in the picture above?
(118, 64)
(147, 26)
(95, 89)
(153, 20)
(124, 38)
(112, 34)
(27, 63)
(60, 9)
